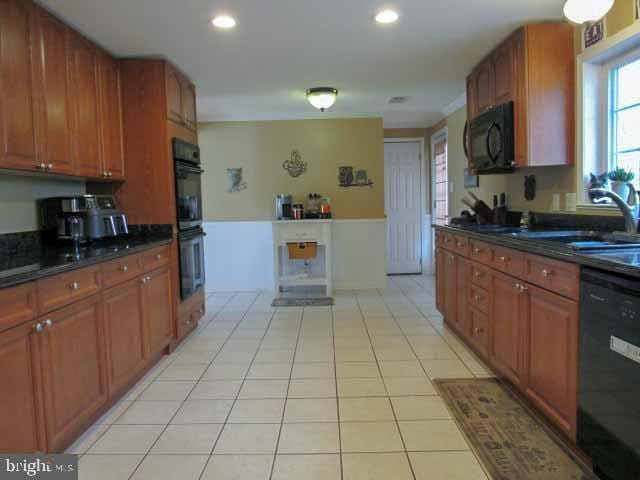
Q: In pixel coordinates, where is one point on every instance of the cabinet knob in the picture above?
(42, 166)
(38, 327)
(477, 298)
(476, 250)
(124, 268)
(503, 259)
(158, 257)
(547, 273)
(476, 274)
(74, 286)
(50, 166)
(104, 174)
(109, 174)
(143, 280)
(48, 322)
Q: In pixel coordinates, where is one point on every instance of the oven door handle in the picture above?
(190, 237)
(181, 167)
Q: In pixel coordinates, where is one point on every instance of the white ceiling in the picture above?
(260, 70)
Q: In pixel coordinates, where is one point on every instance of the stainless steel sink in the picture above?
(581, 240)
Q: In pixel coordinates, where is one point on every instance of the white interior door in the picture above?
(403, 206)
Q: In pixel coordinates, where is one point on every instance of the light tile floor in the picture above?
(321, 393)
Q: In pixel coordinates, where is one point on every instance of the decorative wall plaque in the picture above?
(235, 180)
(295, 166)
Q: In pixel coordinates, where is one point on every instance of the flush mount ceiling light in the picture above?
(387, 16)
(225, 22)
(322, 97)
(583, 11)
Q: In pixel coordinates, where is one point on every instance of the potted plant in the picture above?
(620, 180)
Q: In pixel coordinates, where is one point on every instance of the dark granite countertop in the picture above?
(624, 261)
(36, 261)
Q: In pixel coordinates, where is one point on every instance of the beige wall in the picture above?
(549, 179)
(18, 196)
(260, 148)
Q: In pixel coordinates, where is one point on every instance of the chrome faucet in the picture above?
(630, 208)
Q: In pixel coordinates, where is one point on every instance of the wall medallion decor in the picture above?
(593, 33)
(295, 166)
(236, 183)
(347, 178)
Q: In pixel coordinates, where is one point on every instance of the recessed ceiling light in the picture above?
(387, 16)
(223, 21)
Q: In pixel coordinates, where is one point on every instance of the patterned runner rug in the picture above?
(507, 437)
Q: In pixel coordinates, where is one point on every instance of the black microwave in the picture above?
(491, 141)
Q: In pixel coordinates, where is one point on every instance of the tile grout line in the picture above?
(404, 445)
(335, 376)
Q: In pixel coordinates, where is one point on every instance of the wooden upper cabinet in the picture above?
(551, 360)
(472, 108)
(111, 131)
(53, 93)
(189, 105)
(174, 94)
(21, 413)
(18, 148)
(504, 74)
(83, 73)
(484, 87)
(73, 370)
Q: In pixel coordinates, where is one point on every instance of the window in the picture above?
(441, 198)
(624, 117)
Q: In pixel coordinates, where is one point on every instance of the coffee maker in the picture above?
(284, 209)
(81, 219)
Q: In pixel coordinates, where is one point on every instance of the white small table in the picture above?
(302, 231)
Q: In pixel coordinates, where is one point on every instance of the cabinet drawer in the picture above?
(480, 275)
(461, 245)
(121, 270)
(508, 261)
(66, 288)
(306, 231)
(479, 298)
(479, 329)
(155, 258)
(560, 277)
(480, 251)
(18, 305)
(447, 241)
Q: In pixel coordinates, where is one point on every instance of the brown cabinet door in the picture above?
(462, 290)
(53, 120)
(189, 105)
(18, 149)
(175, 111)
(21, 428)
(157, 308)
(484, 86)
(440, 253)
(111, 136)
(472, 97)
(506, 314)
(504, 73)
(73, 369)
(124, 332)
(450, 284)
(85, 147)
(551, 356)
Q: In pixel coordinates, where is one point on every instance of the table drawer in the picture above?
(560, 277)
(479, 298)
(480, 275)
(461, 245)
(121, 270)
(508, 261)
(19, 305)
(155, 258)
(60, 290)
(292, 232)
(480, 252)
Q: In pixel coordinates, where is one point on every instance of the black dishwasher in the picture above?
(609, 378)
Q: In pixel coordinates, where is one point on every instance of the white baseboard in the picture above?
(239, 255)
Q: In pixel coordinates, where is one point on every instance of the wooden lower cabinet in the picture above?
(450, 286)
(440, 290)
(463, 268)
(479, 329)
(124, 333)
(21, 427)
(551, 356)
(157, 311)
(506, 311)
(73, 369)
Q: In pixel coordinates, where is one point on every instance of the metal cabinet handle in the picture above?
(476, 274)
(478, 330)
(50, 166)
(109, 174)
(48, 323)
(476, 250)
(477, 298)
(523, 289)
(74, 286)
(42, 166)
(143, 280)
(503, 259)
(158, 257)
(124, 268)
(547, 273)
(38, 327)
(104, 174)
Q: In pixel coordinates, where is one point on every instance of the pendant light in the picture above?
(583, 11)
(322, 97)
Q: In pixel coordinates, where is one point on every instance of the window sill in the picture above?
(592, 208)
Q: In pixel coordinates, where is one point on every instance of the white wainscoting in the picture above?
(239, 255)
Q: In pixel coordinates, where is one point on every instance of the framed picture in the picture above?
(471, 181)
(594, 32)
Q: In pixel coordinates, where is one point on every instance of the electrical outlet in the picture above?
(555, 202)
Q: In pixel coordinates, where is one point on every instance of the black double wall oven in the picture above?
(188, 174)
